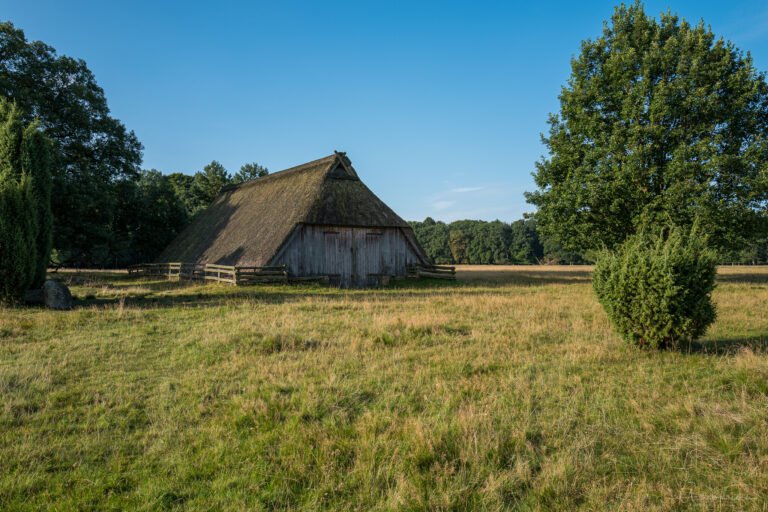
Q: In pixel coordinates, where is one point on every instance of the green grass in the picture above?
(505, 390)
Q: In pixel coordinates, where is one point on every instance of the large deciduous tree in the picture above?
(660, 123)
(95, 152)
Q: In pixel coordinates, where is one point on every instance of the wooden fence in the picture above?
(239, 276)
(220, 273)
(434, 271)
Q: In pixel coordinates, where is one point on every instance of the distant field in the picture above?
(505, 389)
(524, 274)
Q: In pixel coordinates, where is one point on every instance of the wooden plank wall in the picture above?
(350, 256)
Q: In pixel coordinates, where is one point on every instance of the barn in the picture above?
(317, 219)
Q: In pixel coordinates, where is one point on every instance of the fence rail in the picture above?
(433, 271)
(246, 275)
(209, 272)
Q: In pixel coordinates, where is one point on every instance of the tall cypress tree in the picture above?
(17, 238)
(25, 219)
(37, 163)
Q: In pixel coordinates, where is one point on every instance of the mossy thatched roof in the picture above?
(248, 223)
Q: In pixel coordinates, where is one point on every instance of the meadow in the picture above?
(504, 390)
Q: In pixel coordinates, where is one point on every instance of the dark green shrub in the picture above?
(657, 289)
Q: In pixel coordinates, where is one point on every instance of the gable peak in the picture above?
(345, 164)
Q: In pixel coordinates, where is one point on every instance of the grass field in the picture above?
(506, 389)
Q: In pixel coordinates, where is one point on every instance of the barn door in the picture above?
(372, 260)
(331, 255)
(338, 257)
(354, 256)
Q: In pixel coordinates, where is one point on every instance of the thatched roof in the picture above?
(248, 223)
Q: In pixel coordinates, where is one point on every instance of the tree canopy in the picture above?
(660, 123)
(208, 183)
(197, 191)
(94, 150)
(248, 172)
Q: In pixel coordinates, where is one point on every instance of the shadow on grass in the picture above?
(556, 276)
(155, 292)
(744, 278)
(726, 347)
(152, 293)
(90, 278)
(493, 278)
(524, 277)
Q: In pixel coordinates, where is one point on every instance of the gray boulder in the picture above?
(56, 295)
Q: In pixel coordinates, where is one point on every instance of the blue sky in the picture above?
(440, 105)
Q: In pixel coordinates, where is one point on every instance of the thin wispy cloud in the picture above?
(442, 204)
(495, 212)
(487, 202)
(462, 190)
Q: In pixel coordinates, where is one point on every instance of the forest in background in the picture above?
(479, 242)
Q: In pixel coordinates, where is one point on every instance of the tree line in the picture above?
(479, 242)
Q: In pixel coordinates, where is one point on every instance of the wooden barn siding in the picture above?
(351, 256)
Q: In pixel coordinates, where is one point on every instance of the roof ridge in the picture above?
(283, 173)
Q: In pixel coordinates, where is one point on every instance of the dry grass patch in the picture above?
(506, 389)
